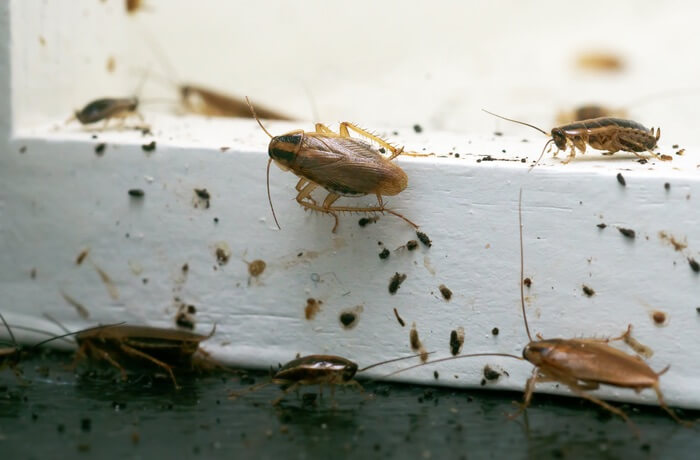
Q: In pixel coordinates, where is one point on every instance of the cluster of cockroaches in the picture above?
(347, 166)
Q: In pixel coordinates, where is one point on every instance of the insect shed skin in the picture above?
(343, 165)
(166, 348)
(605, 133)
(581, 364)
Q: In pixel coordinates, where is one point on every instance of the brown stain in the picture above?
(527, 282)
(81, 256)
(600, 61)
(414, 339)
(80, 308)
(222, 252)
(677, 244)
(111, 64)
(107, 281)
(660, 318)
(313, 306)
(256, 267)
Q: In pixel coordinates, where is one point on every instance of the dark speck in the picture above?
(494, 331)
(436, 375)
(498, 133)
(456, 155)
(136, 193)
(424, 239)
(445, 291)
(628, 232)
(588, 290)
(675, 146)
(527, 282)
(491, 374)
(202, 193)
(100, 149)
(23, 149)
(151, 146)
(601, 225)
(694, 264)
(347, 318)
(417, 128)
(216, 220)
(384, 254)
(667, 186)
(382, 150)
(621, 179)
(395, 282)
(411, 245)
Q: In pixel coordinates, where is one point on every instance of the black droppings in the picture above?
(588, 290)
(382, 150)
(367, 220)
(498, 133)
(23, 149)
(490, 373)
(667, 186)
(621, 179)
(628, 232)
(494, 331)
(445, 291)
(396, 281)
(384, 254)
(418, 128)
(86, 424)
(674, 146)
(436, 375)
(602, 225)
(151, 146)
(347, 319)
(100, 149)
(136, 193)
(411, 245)
(527, 282)
(423, 238)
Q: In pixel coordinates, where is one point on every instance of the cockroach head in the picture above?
(559, 138)
(535, 352)
(349, 371)
(285, 148)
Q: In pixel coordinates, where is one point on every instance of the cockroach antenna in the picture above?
(531, 126)
(393, 361)
(522, 262)
(9, 331)
(269, 197)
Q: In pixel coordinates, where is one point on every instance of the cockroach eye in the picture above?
(349, 371)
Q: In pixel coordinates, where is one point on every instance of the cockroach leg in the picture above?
(133, 351)
(289, 389)
(623, 336)
(669, 411)
(582, 394)
(344, 126)
(321, 128)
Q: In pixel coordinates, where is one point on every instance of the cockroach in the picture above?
(339, 163)
(11, 355)
(605, 133)
(581, 364)
(318, 370)
(106, 109)
(166, 348)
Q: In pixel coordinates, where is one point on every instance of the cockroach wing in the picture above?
(598, 362)
(348, 167)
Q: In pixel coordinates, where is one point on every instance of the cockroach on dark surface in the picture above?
(166, 348)
(343, 165)
(316, 370)
(581, 364)
(606, 133)
(11, 355)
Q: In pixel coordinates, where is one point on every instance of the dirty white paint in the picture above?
(59, 197)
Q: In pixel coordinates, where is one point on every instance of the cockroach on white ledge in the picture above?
(581, 364)
(606, 133)
(341, 164)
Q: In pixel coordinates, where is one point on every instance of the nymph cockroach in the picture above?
(343, 165)
(107, 109)
(166, 348)
(317, 370)
(605, 133)
(581, 364)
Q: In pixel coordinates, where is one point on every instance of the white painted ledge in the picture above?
(59, 197)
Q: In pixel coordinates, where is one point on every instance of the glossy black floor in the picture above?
(58, 413)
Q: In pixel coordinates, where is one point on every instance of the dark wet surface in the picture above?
(56, 413)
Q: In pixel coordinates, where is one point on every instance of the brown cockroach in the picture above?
(166, 348)
(581, 364)
(605, 133)
(106, 109)
(341, 164)
(318, 370)
(11, 355)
